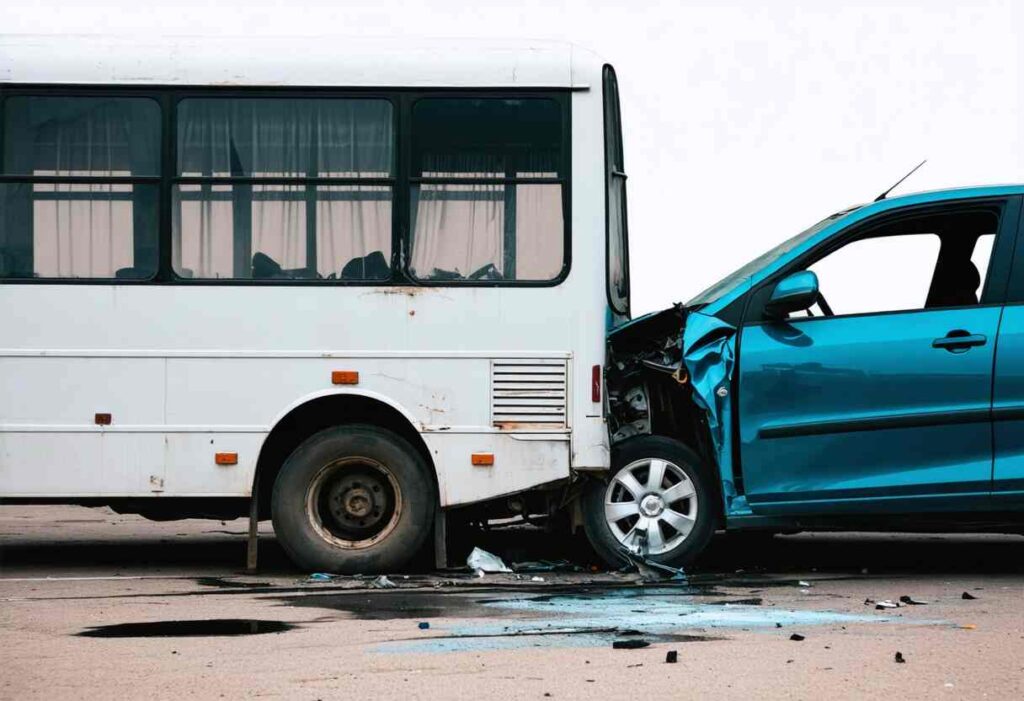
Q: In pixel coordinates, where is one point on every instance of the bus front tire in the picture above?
(657, 501)
(354, 499)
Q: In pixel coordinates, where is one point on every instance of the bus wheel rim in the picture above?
(353, 503)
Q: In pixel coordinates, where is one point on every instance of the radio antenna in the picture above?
(912, 171)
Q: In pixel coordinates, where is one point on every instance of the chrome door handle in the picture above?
(958, 341)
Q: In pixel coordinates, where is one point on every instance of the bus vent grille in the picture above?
(528, 393)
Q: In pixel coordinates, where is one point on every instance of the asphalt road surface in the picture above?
(96, 605)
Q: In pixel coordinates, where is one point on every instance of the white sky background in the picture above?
(745, 122)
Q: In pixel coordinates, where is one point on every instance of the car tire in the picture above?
(682, 508)
(353, 499)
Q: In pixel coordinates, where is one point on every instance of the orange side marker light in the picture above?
(226, 458)
(483, 459)
(345, 377)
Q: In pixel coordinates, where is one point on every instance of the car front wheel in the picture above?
(657, 502)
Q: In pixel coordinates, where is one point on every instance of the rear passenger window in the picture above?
(83, 202)
(272, 189)
(486, 191)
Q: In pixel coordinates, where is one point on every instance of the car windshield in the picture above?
(734, 278)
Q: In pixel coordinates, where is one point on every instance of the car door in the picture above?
(884, 404)
(1008, 393)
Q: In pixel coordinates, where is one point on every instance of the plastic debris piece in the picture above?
(320, 577)
(423, 625)
(802, 583)
(797, 637)
(629, 644)
(671, 657)
(910, 601)
(547, 566)
(899, 658)
(967, 596)
(886, 605)
(536, 579)
(968, 626)
(483, 561)
(382, 582)
(868, 602)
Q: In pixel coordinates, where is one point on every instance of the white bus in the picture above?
(361, 283)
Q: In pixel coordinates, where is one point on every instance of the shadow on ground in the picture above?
(218, 549)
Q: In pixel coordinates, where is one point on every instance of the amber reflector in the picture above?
(226, 458)
(345, 377)
(483, 458)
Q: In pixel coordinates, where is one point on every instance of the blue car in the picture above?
(866, 374)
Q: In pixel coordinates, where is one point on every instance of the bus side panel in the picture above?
(73, 424)
(520, 462)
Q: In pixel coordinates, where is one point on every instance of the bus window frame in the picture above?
(402, 100)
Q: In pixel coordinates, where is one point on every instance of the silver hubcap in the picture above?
(650, 506)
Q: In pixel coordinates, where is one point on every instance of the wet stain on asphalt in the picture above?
(584, 617)
(222, 583)
(213, 627)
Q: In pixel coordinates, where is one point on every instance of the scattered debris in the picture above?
(320, 577)
(629, 644)
(424, 625)
(886, 605)
(802, 583)
(968, 626)
(910, 601)
(797, 637)
(651, 571)
(671, 657)
(382, 582)
(899, 657)
(482, 562)
(967, 596)
(536, 579)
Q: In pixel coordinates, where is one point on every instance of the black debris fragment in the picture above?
(424, 625)
(629, 644)
(778, 625)
(967, 596)
(671, 657)
(910, 601)
(899, 658)
(797, 637)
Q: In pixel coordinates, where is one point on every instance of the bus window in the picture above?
(486, 193)
(84, 203)
(618, 242)
(284, 189)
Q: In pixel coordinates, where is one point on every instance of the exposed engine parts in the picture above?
(648, 389)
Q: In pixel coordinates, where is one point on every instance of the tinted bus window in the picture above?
(284, 189)
(486, 193)
(84, 204)
(618, 246)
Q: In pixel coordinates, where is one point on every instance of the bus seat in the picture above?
(370, 267)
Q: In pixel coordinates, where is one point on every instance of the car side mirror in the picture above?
(793, 293)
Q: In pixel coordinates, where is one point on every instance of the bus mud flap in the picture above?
(254, 527)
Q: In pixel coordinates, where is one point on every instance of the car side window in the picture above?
(931, 261)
